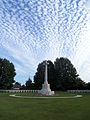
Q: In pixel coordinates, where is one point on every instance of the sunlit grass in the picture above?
(44, 109)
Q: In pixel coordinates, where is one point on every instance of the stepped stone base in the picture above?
(45, 90)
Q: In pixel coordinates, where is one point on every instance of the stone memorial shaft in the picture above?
(46, 87)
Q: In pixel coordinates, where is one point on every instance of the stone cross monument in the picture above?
(46, 87)
(45, 81)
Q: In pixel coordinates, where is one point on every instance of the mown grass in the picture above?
(44, 109)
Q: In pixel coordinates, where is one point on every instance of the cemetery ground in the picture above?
(44, 109)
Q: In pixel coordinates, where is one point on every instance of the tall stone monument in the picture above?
(46, 87)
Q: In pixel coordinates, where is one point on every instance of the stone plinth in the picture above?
(46, 90)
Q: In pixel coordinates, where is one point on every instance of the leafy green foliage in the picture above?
(39, 76)
(29, 84)
(88, 85)
(66, 74)
(7, 73)
(62, 75)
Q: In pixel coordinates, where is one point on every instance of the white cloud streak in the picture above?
(32, 31)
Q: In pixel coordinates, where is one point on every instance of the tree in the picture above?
(88, 85)
(23, 87)
(62, 75)
(80, 84)
(29, 84)
(40, 75)
(51, 75)
(66, 74)
(7, 73)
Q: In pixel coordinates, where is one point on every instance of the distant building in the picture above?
(17, 86)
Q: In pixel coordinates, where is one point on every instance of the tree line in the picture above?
(62, 75)
(7, 73)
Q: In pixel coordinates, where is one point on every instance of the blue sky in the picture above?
(35, 30)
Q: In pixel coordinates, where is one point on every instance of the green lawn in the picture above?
(44, 109)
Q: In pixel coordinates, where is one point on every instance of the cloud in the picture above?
(32, 31)
(87, 5)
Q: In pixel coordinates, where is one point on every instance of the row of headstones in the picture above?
(18, 91)
(79, 91)
(21, 91)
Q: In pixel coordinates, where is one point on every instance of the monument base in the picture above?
(45, 90)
